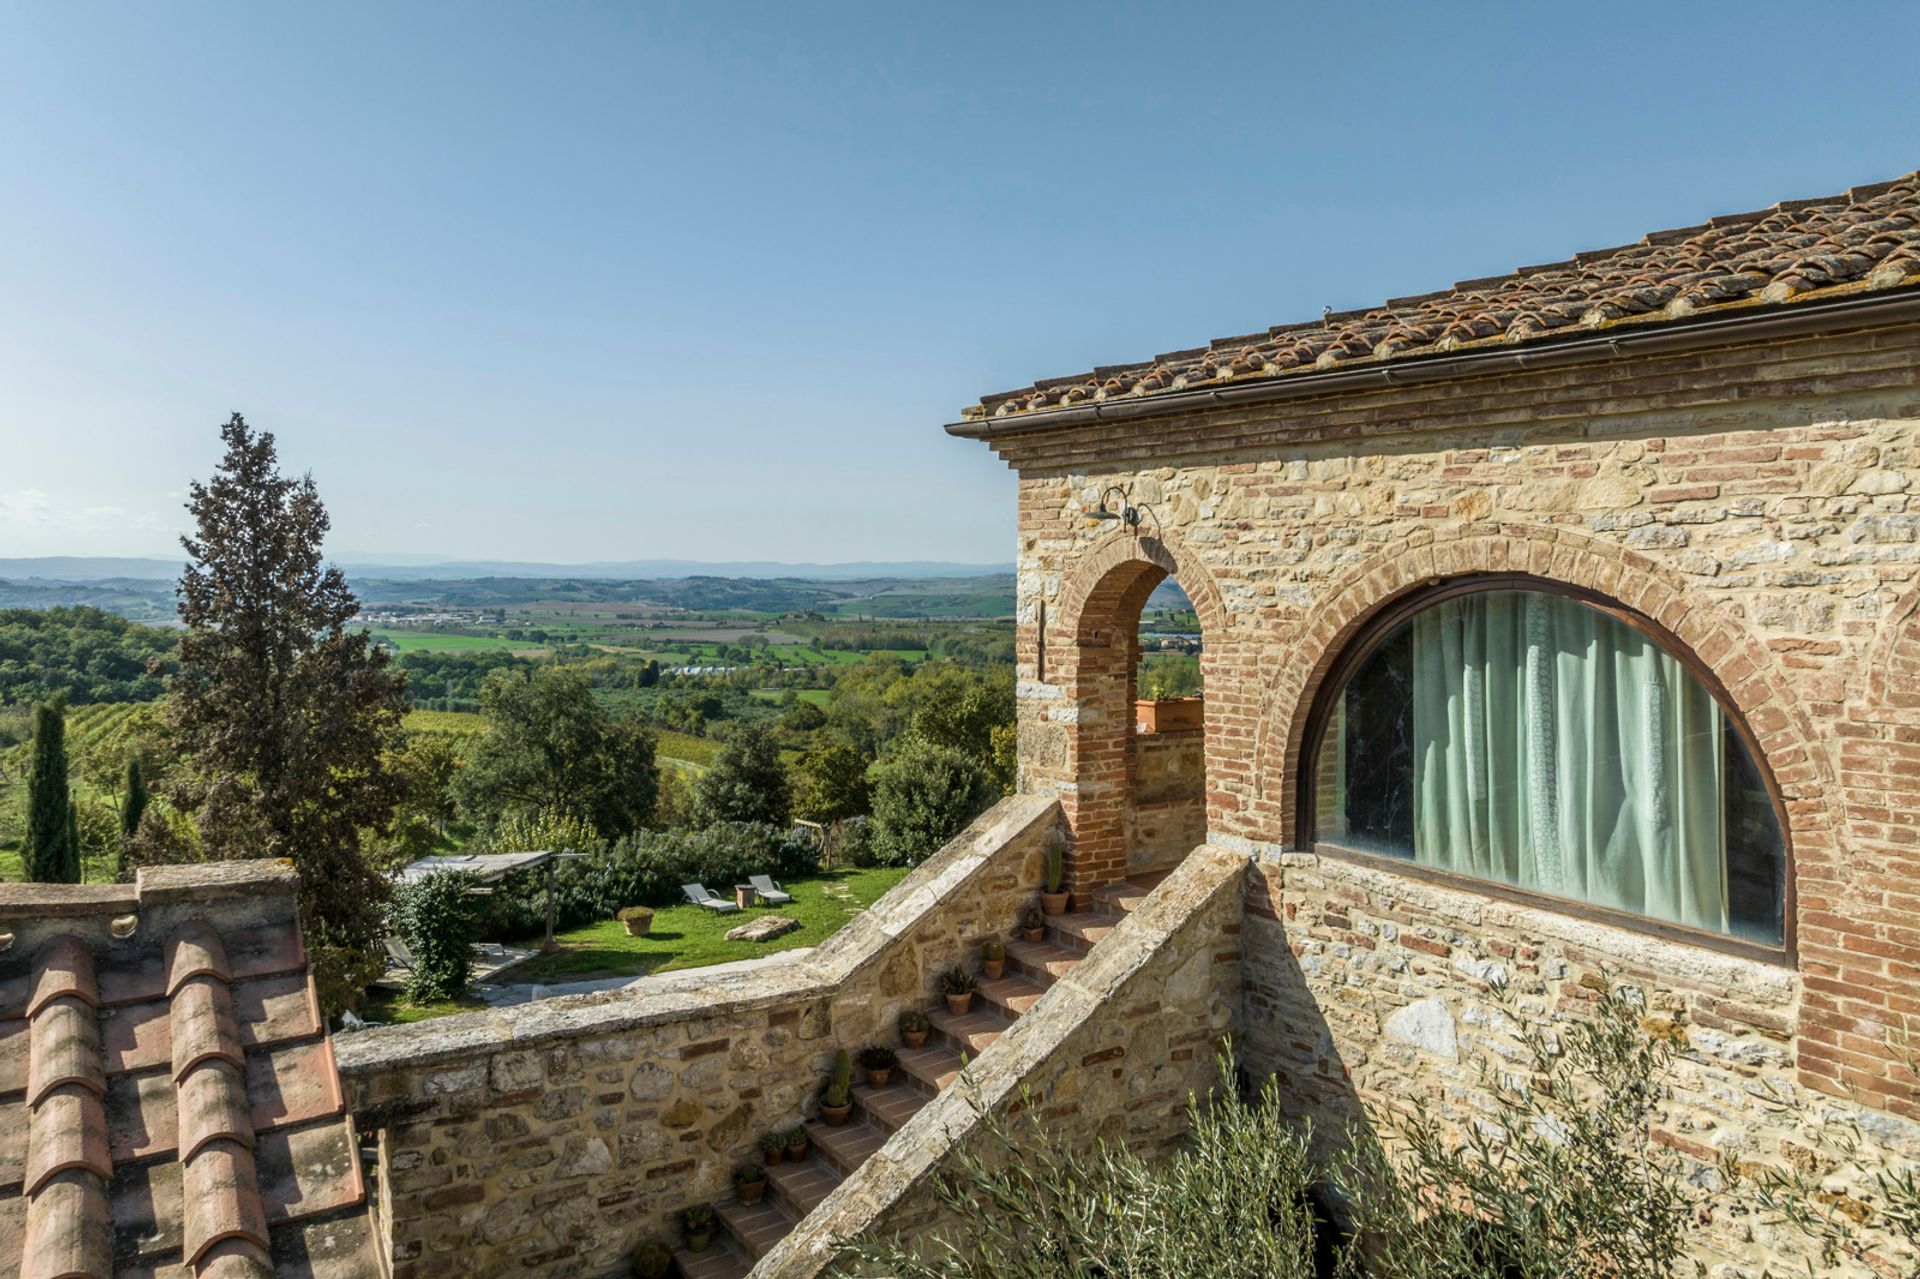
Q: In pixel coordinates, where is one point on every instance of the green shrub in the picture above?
(923, 795)
(436, 917)
(1559, 1179)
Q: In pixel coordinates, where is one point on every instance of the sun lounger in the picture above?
(699, 895)
(770, 892)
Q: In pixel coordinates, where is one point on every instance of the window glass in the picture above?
(1529, 738)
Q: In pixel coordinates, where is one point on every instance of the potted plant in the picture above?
(1156, 710)
(743, 895)
(1033, 925)
(993, 958)
(652, 1260)
(750, 1183)
(698, 1226)
(1053, 898)
(878, 1061)
(913, 1028)
(772, 1146)
(637, 920)
(796, 1144)
(836, 1100)
(958, 985)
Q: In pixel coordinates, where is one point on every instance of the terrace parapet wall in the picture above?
(549, 1139)
(1113, 1052)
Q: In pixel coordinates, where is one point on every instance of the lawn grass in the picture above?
(698, 751)
(818, 696)
(690, 937)
(392, 1008)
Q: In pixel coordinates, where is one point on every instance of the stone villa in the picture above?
(1559, 628)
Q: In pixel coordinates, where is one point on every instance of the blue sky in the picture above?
(589, 282)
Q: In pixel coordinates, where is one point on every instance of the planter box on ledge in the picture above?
(1170, 714)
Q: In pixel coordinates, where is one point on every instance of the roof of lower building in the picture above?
(1865, 239)
(169, 1105)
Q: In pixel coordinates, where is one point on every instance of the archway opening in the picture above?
(1137, 803)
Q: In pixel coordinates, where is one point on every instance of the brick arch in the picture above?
(1752, 682)
(1091, 650)
(1093, 579)
(1892, 693)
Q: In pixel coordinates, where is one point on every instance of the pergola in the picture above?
(491, 868)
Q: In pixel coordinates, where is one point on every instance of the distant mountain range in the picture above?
(398, 568)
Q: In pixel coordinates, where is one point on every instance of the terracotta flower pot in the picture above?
(774, 1156)
(993, 968)
(878, 1078)
(750, 1191)
(835, 1115)
(1034, 934)
(959, 1004)
(638, 927)
(797, 1151)
(699, 1242)
(913, 1038)
(1170, 714)
(1054, 903)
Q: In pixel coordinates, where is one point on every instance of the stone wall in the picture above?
(1364, 988)
(1169, 813)
(1113, 1051)
(1758, 501)
(550, 1138)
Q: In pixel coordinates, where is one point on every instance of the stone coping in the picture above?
(796, 977)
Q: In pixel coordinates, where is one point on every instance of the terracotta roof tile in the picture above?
(67, 1235)
(220, 1196)
(169, 1105)
(1864, 239)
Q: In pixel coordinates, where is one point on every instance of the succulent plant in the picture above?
(878, 1057)
(837, 1093)
(772, 1141)
(1032, 917)
(749, 1174)
(652, 1260)
(992, 950)
(1056, 866)
(957, 981)
(913, 1021)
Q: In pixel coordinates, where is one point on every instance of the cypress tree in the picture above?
(48, 804)
(70, 853)
(134, 806)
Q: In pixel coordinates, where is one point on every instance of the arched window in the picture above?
(1516, 731)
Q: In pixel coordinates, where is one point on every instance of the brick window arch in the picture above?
(1546, 741)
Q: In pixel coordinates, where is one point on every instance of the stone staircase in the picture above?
(794, 1190)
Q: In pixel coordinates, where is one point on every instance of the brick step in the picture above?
(846, 1147)
(802, 1186)
(931, 1068)
(890, 1107)
(718, 1260)
(1079, 932)
(1043, 961)
(973, 1033)
(756, 1227)
(1010, 995)
(1124, 897)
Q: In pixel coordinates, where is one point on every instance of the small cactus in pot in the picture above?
(993, 958)
(914, 1028)
(836, 1100)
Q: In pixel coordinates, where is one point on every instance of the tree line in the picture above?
(281, 734)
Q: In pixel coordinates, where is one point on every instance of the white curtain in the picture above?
(1561, 750)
